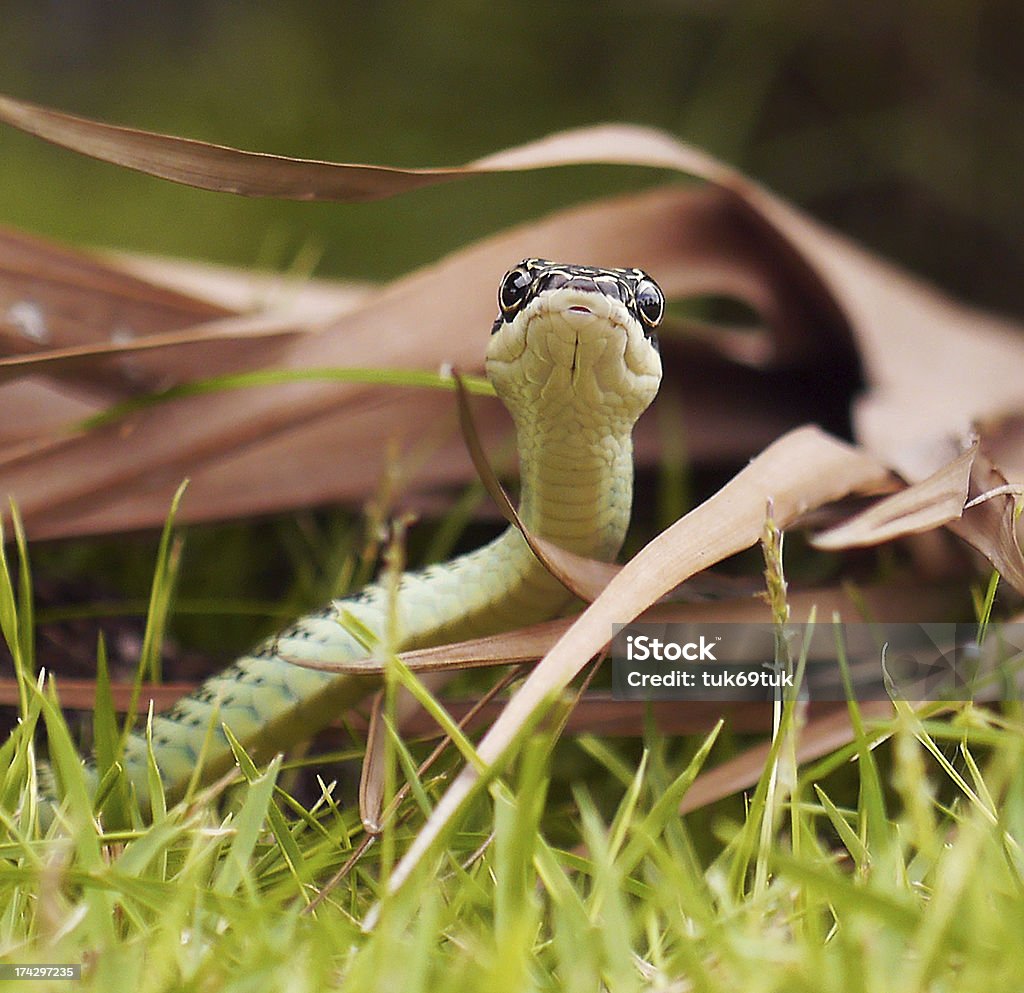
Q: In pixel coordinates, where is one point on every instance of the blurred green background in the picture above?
(899, 123)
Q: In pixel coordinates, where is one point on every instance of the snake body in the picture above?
(574, 357)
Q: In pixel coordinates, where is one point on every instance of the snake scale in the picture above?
(574, 357)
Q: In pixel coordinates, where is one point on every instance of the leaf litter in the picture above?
(917, 371)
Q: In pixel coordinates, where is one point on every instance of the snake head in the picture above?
(576, 336)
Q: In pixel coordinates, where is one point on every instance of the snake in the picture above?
(574, 356)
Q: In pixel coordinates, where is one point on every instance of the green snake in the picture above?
(574, 357)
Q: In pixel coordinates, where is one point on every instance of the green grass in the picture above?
(914, 883)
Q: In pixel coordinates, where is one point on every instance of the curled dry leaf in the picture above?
(991, 526)
(1003, 443)
(78, 333)
(920, 507)
(970, 494)
(208, 166)
(212, 348)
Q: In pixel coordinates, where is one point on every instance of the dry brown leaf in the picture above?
(920, 507)
(821, 735)
(80, 333)
(247, 291)
(991, 525)
(217, 167)
(141, 365)
(870, 292)
(508, 648)
(933, 364)
(372, 778)
(800, 471)
(90, 321)
(56, 298)
(53, 300)
(723, 270)
(253, 451)
(1003, 443)
(80, 694)
(582, 576)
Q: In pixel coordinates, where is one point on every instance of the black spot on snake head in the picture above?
(553, 280)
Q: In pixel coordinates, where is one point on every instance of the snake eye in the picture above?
(650, 302)
(513, 290)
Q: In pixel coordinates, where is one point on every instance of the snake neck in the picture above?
(577, 481)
